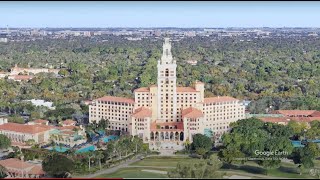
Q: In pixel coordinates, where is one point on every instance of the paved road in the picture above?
(151, 167)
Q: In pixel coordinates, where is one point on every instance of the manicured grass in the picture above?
(134, 173)
(286, 170)
(163, 161)
(250, 169)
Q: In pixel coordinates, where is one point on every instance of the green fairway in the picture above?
(134, 173)
(286, 170)
(163, 161)
(250, 169)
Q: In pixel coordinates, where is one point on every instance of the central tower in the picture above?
(167, 89)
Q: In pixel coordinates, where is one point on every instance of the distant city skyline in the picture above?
(159, 14)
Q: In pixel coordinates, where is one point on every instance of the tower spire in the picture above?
(167, 92)
(166, 53)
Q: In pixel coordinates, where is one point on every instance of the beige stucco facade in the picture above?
(166, 115)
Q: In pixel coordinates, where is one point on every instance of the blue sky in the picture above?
(159, 14)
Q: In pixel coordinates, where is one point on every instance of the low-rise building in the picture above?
(68, 135)
(39, 122)
(40, 102)
(21, 133)
(20, 77)
(285, 116)
(16, 70)
(17, 168)
(69, 122)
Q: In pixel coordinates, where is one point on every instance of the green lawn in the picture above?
(250, 168)
(286, 170)
(162, 161)
(134, 173)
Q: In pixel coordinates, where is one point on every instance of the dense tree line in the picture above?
(272, 72)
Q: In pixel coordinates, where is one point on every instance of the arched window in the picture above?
(167, 72)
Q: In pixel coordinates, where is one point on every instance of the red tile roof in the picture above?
(142, 89)
(116, 99)
(295, 112)
(23, 128)
(68, 127)
(219, 99)
(316, 114)
(274, 119)
(41, 121)
(37, 170)
(192, 112)
(287, 119)
(21, 77)
(69, 122)
(142, 112)
(186, 89)
(12, 164)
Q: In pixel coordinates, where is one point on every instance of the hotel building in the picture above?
(166, 115)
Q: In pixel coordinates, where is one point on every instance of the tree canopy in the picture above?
(58, 165)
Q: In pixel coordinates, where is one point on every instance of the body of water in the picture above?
(59, 149)
(108, 138)
(86, 149)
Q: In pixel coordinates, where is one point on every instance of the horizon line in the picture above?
(175, 27)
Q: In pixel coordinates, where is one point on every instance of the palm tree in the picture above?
(90, 155)
(187, 145)
(137, 142)
(99, 155)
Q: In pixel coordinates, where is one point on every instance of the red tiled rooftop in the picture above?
(116, 99)
(294, 112)
(142, 89)
(316, 114)
(37, 170)
(21, 77)
(192, 112)
(219, 99)
(29, 129)
(186, 89)
(142, 112)
(274, 119)
(69, 122)
(14, 164)
(41, 121)
(287, 119)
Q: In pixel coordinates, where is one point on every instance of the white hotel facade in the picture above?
(166, 115)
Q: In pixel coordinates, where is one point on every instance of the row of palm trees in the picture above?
(115, 150)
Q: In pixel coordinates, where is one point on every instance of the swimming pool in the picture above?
(299, 144)
(108, 138)
(59, 149)
(86, 149)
